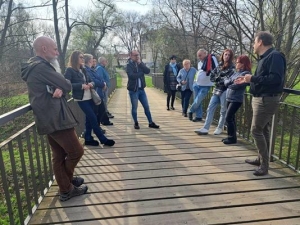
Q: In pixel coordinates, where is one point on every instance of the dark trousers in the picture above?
(263, 110)
(185, 99)
(232, 108)
(66, 153)
(100, 111)
(91, 122)
(171, 96)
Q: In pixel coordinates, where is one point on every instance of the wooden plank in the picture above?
(169, 192)
(203, 203)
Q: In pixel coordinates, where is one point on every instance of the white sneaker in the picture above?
(218, 131)
(202, 131)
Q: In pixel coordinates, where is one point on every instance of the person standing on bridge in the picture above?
(266, 86)
(47, 89)
(136, 71)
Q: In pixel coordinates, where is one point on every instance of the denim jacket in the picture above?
(188, 76)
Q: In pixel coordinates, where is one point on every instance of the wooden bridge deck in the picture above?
(172, 176)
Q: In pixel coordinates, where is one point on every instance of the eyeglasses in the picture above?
(237, 62)
(135, 55)
(81, 57)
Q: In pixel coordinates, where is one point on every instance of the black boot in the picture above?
(255, 162)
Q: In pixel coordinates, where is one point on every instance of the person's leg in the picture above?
(87, 108)
(232, 108)
(182, 100)
(263, 110)
(168, 99)
(134, 105)
(102, 113)
(201, 95)
(213, 103)
(66, 153)
(173, 94)
(187, 96)
(223, 110)
(196, 89)
(144, 101)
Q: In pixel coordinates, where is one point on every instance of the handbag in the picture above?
(178, 87)
(96, 99)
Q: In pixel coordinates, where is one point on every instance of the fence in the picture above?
(25, 166)
(285, 135)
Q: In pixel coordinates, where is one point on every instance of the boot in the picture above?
(262, 169)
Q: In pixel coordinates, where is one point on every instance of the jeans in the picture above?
(213, 103)
(172, 94)
(101, 113)
(91, 122)
(139, 95)
(200, 93)
(263, 110)
(185, 99)
(232, 108)
(66, 153)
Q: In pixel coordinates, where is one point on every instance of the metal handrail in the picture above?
(28, 179)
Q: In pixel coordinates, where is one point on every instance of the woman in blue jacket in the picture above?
(235, 96)
(81, 85)
(186, 79)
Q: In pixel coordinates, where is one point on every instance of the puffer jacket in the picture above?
(235, 92)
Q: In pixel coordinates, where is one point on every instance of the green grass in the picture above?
(148, 81)
(119, 80)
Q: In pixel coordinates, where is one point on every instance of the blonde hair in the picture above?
(185, 61)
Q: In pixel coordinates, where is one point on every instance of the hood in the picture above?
(27, 67)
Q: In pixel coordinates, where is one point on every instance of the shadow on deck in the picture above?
(172, 176)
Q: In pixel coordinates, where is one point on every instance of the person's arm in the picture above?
(276, 71)
(97, 79)
(134, 73)
(165, 73)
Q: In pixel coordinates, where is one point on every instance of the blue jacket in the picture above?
(188, 76)
(97, 79)
(104, 74)
(235, 92)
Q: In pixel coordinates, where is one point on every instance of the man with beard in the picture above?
(47, 90)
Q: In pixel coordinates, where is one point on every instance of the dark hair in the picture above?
(172, 57)
(74, 59)
(245, 61)
(226, 65)
(265, 36)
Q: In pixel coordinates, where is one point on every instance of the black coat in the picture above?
(166, 77)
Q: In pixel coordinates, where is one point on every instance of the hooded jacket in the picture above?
(51, 114)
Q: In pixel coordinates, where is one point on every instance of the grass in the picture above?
(119, 80)
(148, 81)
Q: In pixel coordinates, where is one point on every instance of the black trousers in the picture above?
(232, 108)
(171, 96)
(100, 111)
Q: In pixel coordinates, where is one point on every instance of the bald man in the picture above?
(136, 71)
(53, 117)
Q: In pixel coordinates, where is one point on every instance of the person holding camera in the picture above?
(224, 70)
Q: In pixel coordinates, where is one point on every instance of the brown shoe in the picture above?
(255, 162)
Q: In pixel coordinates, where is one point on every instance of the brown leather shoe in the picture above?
(255, 162)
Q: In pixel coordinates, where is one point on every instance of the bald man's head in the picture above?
(46, 48)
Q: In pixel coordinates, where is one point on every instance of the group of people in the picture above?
(229, 80)
(48, 88)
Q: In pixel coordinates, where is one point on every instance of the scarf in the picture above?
(173, 66)
(208, 64)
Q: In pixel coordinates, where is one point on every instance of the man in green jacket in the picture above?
(47, 89)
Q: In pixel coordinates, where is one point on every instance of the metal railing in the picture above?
(285, 131)
(25, 165)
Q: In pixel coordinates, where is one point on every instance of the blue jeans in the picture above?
(91, 122)
(200, 93)
(185, 99)
(213, 103)
(141, 96)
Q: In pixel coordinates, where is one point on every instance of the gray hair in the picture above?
(87, 58)
(101, 59)
(202, 50)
